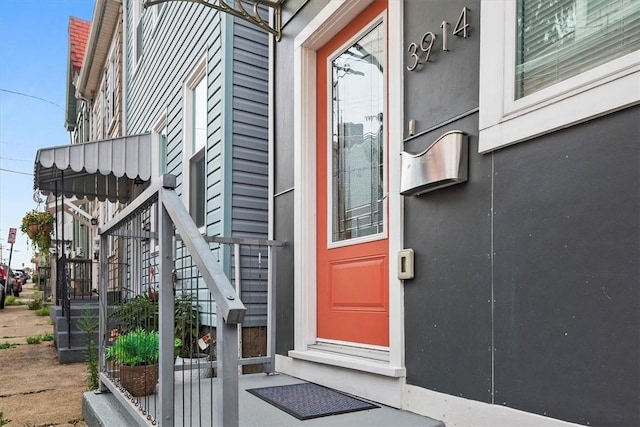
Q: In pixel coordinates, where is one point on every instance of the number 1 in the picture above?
(444, 26)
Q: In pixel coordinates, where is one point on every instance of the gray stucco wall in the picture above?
(566, 272)
(296, 14)
(447, 305)
(527, 280)
(527, 290)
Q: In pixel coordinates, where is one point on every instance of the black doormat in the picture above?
(306, 400)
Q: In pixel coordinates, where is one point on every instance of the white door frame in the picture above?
(316, 34)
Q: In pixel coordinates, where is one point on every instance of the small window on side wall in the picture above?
(195, 144)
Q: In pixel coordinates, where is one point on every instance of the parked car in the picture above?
(21, 274)
(3, 281)
(12, 284)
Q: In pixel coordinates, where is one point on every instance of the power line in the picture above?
(15, 160)
(32, 96)
(21, 173)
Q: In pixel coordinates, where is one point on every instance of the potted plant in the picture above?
(137, 355)
(141, 311)
(187, 330)
(37, 226)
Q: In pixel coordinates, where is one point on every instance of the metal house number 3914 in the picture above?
(429, 38)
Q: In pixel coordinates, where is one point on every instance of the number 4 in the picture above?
(461, 20)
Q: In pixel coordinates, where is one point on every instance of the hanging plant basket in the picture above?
(33, 230)
(38, 226)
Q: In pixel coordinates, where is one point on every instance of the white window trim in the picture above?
(137, 14)
(193, 78)
(505, 121)
(157, 12)
(159, 126)
(321, 29)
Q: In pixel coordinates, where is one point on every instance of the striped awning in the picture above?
(98, 169)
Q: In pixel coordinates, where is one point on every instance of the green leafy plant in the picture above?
(11, 301)
(89, 324)
(38, 225)
(36, 302)
(47, 337)
(138, 312)
(3, 420)
(6, 345)
(187, 324)
(43, 311)
(136, 348)
(34, 339)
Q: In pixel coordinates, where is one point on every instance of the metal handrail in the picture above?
(230, 308)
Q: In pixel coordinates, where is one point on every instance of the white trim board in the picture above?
(330, 20)
(459, 412)
(504, 121)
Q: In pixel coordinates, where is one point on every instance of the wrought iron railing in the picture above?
(177, 295)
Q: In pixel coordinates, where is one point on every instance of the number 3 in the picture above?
(413, 48)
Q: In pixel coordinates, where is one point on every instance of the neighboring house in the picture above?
(197, 80)
(523, 307)
(99, 91)
(77, 123)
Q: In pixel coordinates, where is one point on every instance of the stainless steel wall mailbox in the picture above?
(445, 162)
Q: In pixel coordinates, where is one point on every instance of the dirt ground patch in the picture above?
(35, 390)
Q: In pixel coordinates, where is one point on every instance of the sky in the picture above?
(33, 62)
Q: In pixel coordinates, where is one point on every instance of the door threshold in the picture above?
(351, 357)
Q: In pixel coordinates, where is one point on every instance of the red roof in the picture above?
(78, 35)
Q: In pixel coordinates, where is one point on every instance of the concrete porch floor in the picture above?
(105, 410)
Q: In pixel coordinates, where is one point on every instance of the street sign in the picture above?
(12, 236)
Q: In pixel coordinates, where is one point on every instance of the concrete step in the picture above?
(77, 339)
(77, 310)
(104, 410)
(60, 323)
(72, 355)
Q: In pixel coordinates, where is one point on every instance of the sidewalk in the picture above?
(34, 388)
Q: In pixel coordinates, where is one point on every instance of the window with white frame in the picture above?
(194, 143)
(557, 63)
(113, 71)
(109, 85)
(138, 27)
(159, 146)
(157, 10)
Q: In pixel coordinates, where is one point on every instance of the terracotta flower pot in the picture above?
(139, 380)
(33, 230)
(36, 229)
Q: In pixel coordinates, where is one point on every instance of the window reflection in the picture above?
(357, 165)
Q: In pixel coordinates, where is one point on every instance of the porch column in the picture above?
(166, 315)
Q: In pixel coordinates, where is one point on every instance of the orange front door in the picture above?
(353, 249)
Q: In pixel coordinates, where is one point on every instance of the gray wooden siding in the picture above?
(236, 154)
(249, 175)
(250, 131)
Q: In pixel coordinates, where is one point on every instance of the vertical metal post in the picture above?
(271, 310)
(238, 280)
(167, 314)
(227, 384)
(103, 303)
